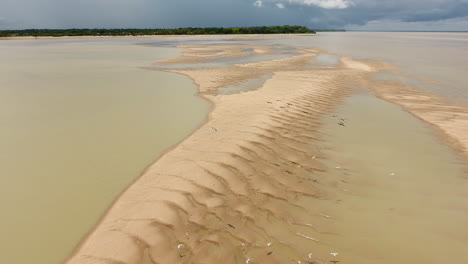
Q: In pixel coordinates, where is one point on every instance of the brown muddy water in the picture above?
(80, 119)
(398, 194)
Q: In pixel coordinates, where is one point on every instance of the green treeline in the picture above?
(141, 32)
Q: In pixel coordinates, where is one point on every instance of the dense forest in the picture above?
(141, 32)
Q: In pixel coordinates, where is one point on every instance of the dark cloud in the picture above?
(447, 12)
(180, 13)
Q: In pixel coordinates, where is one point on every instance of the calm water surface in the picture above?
(401, 194)
(79, 121)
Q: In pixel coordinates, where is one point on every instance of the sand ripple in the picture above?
(231, 192)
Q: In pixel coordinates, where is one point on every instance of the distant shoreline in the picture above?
(154, 36)
(74, 32)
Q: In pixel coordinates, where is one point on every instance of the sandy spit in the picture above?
(449, 120)
(229, 192)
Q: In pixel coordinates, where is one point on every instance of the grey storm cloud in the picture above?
(413, 10)
(17, 14)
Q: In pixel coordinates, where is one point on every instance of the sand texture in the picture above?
(232, 191)
(252, 185)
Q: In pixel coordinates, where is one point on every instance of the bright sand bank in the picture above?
(234, 191)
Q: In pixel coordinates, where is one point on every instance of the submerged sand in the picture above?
(233, 192)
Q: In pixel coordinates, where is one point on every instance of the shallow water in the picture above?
(400, 195)
(80, 119)
(436, 56)
(246, 85)
(225, 61)
(326, 60)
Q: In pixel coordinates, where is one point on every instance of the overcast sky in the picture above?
(317, 14)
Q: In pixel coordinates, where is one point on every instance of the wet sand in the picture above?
(255, 184)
